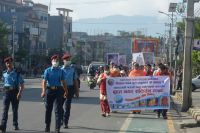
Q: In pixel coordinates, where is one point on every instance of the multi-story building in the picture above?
(9, 5)
(42, 14)
(60, 31)
(28, 25)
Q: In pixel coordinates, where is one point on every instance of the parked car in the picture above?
(196, 83)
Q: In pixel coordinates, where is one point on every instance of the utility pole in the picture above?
(187, 63)
(14, 18)
(170, 46)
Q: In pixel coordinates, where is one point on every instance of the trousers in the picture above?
(10, 97)
(53, 98)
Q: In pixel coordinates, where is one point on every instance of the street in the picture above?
(85, 115)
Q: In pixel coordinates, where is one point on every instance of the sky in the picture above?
(101, 8)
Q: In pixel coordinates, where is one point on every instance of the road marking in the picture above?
(170, 123)
(126, 123)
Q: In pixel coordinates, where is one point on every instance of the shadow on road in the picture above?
(86, 100)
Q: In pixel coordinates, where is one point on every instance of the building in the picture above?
(42, 14)
(28, 23)
(60, 31)
(9, 5)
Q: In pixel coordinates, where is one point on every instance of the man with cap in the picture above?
(70, 77)
(53, 85)
(13, 87)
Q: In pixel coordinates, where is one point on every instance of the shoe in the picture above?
(158, 116)
(3, 130)
(16, 128)
(107, 114)
(104, 115)
(47, 129)
(66, 126)
(57, 130)
(164, 117)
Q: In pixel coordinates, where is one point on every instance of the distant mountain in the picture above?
(147, 24)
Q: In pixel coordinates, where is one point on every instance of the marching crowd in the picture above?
(60, 84)
(135, 70)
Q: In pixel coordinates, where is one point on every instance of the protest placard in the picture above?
(138, 93)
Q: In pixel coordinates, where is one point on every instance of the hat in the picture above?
(55, 57)
(8, 59)
(66, 56)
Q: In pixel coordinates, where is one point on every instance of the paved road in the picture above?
(85, 117)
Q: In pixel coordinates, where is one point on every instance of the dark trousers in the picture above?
(163, 111)
(53, 98)
(179, 86)
(10, 97)
(67, 104)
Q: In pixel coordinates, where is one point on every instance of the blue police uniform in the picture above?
(11, 80)
(70, 75)
(53, 76)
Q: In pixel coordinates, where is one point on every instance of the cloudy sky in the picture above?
(102, 8)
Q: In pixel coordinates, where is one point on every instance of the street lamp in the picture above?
(163, 50)
(170, 35)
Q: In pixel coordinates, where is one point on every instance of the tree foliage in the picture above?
(195, 54)
(3, 40)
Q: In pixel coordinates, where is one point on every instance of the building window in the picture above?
(0, 8)
(4, 8)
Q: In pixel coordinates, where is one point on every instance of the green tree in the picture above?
(3, 40)
(195, 54)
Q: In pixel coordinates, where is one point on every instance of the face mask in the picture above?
(55, 63)
(67, 63)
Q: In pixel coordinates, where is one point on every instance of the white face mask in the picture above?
(67, 63)
(55, 63)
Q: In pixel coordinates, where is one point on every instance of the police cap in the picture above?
(55, 57)
(66, 56)
(8, 59)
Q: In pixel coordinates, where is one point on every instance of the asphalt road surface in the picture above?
(85, 115)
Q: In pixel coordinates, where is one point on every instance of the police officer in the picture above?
(72, 85)
(13, 87)
(53, 85)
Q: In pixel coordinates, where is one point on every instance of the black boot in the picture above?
(57, 130)
(47, 129)
(3, 129)
(65, 125)
(16, 128)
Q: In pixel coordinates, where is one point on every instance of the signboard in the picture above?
(144, 58)
(113, 57)
(138, 93)
(122, 60)
(196, 44)
(138, 57)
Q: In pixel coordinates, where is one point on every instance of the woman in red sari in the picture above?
(103, 96)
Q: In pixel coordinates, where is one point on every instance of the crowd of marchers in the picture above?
(113, 70)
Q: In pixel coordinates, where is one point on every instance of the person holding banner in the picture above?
(149, 71)
(103, 96)
(163, 72)
(115, 72)
(136, 72)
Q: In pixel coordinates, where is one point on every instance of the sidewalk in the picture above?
(193, 114)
